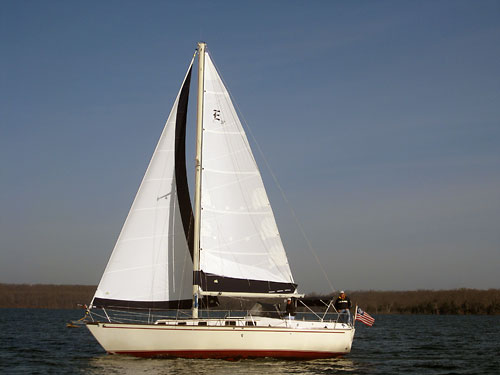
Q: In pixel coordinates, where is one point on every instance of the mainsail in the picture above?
(240, 246)
(151, 265)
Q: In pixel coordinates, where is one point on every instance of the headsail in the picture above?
(241, 249)
(151, 266)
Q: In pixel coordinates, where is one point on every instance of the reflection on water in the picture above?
(115, 364)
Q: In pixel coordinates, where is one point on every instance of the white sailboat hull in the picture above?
(292, 340)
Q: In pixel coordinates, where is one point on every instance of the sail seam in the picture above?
(159, 179)
(228, 212)
(250, 173)
(234, 152)
(223, 132)
(248, 177)
(130, 239)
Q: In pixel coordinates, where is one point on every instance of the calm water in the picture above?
(38, 342)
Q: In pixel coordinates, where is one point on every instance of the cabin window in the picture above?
(181, 323)
(251, 324)
(230, 323)
(202, 323)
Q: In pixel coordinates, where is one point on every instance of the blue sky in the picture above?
(380, 119)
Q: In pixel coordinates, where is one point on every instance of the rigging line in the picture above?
(297, 221)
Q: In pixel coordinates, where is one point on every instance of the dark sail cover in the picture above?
(215, 283)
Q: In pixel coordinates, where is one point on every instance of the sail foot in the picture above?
(216, 283)
(206, 302)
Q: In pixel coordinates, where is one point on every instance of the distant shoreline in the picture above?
(456, 301)
(45, 296)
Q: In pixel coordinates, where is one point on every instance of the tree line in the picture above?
(457, 301)
(44, 296)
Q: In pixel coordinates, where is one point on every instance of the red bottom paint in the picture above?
(232, 354)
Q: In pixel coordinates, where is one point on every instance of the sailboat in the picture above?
(173, 263)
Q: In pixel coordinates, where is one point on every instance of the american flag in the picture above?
(364, 317)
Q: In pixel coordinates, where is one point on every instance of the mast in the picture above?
(197, 192)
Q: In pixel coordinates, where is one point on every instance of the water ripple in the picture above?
(38, 342)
